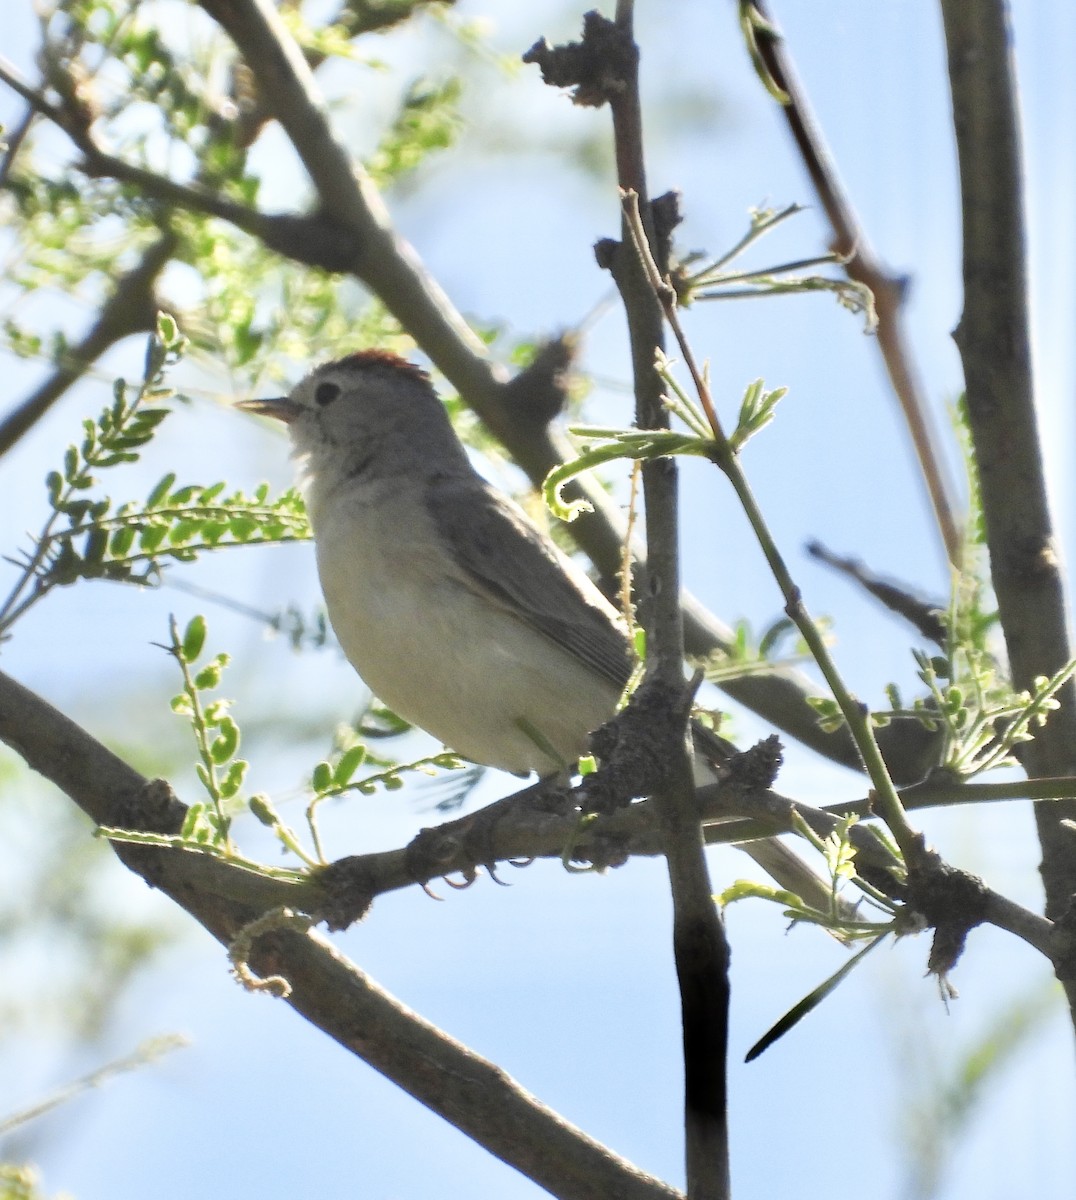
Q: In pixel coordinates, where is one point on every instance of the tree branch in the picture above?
(863, 266)
(699, 943)
(130, 308)
(994, 341)
(468, 1091)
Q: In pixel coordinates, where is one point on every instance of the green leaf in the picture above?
(260, 805)
(349, 763)
(810, 1002)
(322, 778)
(149, 540)
(160, 490)
(193, 639)
(209, 676)
(96, 544)
(241, 528)
(233, 779)
(225, 744)
(122, 541)
(54, 485)
(192, 820)
(210, 494)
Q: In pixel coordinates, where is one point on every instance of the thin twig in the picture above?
(862, 265)
(854, 712)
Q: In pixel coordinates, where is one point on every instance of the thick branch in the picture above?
(994, 341)
(473, 1094)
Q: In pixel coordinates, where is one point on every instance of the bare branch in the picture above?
(862, 265)
(467, 1090)
(610, 57)
(994, 341)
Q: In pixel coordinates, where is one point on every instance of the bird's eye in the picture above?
(326, 393)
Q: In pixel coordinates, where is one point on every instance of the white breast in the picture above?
(441, 654)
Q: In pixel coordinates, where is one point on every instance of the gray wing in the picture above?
(500, 553)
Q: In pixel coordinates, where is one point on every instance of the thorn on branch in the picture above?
(666, 213)
(597, 68)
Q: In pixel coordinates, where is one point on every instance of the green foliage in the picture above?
(216, 736)
(975, 524)
(20, 1181)
(335, 777)
(75, 542)
(715, 282)
(969, 696)
(753, 24)
(601, 445)
(982, 718)
(208, 825)
(756, 412)
(150, 94)
(839, 856)
(86, 537)
(777, 645)
(428, 120)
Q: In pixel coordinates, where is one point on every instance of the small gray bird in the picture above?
(454, 608)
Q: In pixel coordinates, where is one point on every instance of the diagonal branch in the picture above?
(863, 266)
(130, 308)
(467, 1090)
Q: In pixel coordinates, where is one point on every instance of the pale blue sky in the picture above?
(567, 981)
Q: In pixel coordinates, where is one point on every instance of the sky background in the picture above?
(565, 980)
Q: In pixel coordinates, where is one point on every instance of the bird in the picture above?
(457, 611)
